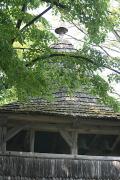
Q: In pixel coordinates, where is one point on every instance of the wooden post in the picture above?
(3, 131)
(71, 139)
(74, 147)
(32, 140)
(4, 135)
(1, 138)
(67, 137)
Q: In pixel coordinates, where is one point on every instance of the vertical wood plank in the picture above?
(3, 131)
(4, 135)
(1, 138)
(74, 148)
(32, 140)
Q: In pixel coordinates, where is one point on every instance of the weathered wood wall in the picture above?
(36, 168)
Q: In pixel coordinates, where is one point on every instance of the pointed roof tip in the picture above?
(62, 45)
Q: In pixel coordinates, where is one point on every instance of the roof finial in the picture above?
(61, 30)
(62, 45)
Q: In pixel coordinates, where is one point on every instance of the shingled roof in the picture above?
(80, 104)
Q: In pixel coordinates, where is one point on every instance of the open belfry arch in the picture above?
(6, 134)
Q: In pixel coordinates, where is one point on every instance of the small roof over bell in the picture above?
(61, 30)
(63, 45)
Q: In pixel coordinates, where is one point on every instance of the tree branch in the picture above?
(91, 44)
(79, 29)
(19, 22)
(87, 36)
(35, 19)
(116, 35)
(56, 3)
(33, 49)
(73, 56)
(116, 94)
(111, 49)
(102, 47)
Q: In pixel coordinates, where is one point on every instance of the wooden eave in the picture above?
(82, 113)
(79, 105)
(49, 122)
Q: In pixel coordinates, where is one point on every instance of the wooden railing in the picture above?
(33, 166)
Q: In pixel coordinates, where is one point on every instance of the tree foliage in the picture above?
(29, 67)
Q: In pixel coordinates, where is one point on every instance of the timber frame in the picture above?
(68, 127)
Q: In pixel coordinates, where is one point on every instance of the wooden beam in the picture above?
(18, 117)
(4, 144)
(59, 156)
(84, 129)
(97, 122)
(67, 137)
(32, 140)
(74, 148)
(71, 139)
(115, 143)
(37, 118)
(3, 131)
(12, 132)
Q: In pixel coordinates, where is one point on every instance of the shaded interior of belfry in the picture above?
(52, 142)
